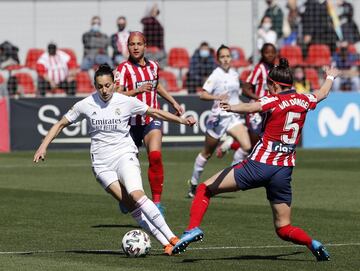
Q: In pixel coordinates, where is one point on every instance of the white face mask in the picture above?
(204, 53)
(266, 26)
(95, 27)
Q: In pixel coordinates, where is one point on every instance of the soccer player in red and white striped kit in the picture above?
(139, 77)
(271, 163)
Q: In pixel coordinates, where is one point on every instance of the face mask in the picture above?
(266, 26)
(204, 53)
(121, 27)
(95, 27)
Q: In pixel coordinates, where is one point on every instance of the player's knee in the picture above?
(284, 232)
(137, 195)
(155, 158)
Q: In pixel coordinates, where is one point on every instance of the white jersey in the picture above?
(221, 82)
(108, 124)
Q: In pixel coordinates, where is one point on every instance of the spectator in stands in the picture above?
(56, 70)
(348, 26)
(265, 33)
(345, 62)
(202, 63)
(317, 25)
(301, 84)
(95, 46)
(276, 14)
(154, 34)
(292, 26)
(119, 42)
(8, 55)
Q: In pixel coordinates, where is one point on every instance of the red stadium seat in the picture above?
(178, 58)
(25, 83)
(313, 76)
(32, 56)
(83, 83)
(293, 53)
(238, 57)
(72, 55)
(2, 79)
(318, 55)
(152, 49)
(244, 75)
(168, 80)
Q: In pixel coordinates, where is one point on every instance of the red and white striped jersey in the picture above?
(131, 76)
(56, 67)
(258, 77)
(284, 120)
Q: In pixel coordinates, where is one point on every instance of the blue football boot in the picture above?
(319, 251)
(193, 235)
(123, 209)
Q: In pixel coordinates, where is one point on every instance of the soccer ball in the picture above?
(136, 243)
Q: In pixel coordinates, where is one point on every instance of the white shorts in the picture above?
(125, 169)
(217, 126)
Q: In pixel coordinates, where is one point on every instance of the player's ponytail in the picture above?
(282, 74)
(104, 69)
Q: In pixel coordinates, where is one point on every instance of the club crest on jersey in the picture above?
(117, 111)
(280, 147)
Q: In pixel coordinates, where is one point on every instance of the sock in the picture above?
(225, 146)
(156, 175)
(199, 165)
(152, 213)
(235, 145)
(294, 234)
(239, 156)
(199, 206)
(148, 227)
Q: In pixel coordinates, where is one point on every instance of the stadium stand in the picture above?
(83, 83)
(25, 83)
(318, 55)
(32, 56)
(238, 57)
(293, 53)
(312, 75)
(168, 80)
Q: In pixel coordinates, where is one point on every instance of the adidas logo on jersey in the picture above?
(93, 114)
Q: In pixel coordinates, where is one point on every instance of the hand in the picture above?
(40, 154)
(225, 106)
(189, 121)
(145, 88)
(332, 71)
(223, 97)
(178, 108)
(52, 84)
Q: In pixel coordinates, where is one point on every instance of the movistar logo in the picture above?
(338, 126)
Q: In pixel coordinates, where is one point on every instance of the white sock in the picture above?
(148, 227)
(152, 213)
(239, 156)
(199, 165)
(226, 145)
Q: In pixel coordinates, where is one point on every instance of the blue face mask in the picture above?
(95, 27)
(204, 53)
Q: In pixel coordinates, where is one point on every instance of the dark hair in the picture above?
(222, 46)
(282, 73)
(104, 69)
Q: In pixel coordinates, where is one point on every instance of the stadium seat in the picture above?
(2, 79)
(152, 49)
(83, 83)
(293, 53)
(72, 55)
(168, 80)
(318, 55)
(244, 75)
(32, 56)
(178, 58)
(313, 76)
(238, 57)
(25, 83)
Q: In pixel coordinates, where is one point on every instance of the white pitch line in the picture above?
(199, 248)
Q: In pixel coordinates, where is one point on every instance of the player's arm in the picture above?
(206, 96)
(170, 99)
(53, 132)
(164, 115)
(323, 92)
(242, 107)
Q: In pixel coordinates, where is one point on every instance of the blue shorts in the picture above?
(138, 132)
(276, 179)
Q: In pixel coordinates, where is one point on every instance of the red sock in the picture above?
(235, 145)
(294, 234)
(199, 206)
(156, 175)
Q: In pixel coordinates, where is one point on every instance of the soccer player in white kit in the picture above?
(113, 152)
(222, 84)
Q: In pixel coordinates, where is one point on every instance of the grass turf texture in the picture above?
(57, 210)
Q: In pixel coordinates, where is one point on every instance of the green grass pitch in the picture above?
(54, 216)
